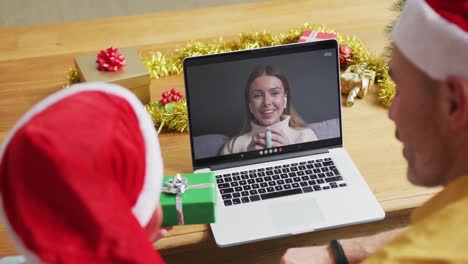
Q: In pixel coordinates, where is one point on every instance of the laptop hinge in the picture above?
(268, 159)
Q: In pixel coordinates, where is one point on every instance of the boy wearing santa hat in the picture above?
(80, 178)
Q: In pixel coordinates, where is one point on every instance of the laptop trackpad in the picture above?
(299, 213)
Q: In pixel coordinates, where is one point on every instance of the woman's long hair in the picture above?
(295, 121)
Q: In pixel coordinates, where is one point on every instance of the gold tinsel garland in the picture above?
(387, 86)
(396, 7)
(173, 117)
(72, 76)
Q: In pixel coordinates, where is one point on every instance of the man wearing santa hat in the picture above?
(429, 66)
(80, 178)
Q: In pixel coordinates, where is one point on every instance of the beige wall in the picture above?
(30, 12)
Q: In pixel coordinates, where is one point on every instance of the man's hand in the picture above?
(356, 249)
(311, 255)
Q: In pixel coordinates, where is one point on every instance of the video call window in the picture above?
(263, 103)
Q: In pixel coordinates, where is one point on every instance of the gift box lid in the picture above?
(311, 35)
(133, 74)
(198, 205)
(202, 195)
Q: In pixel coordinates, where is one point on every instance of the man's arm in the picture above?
(356, 249)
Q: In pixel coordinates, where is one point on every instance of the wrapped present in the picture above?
(356, 81)
(189, 199)
(133, 76)
(311, 35)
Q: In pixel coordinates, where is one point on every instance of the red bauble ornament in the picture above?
(342, 61)
(163, 101)
(345, 54)
(110, 60)
(171, 95)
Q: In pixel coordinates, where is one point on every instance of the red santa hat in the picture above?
(80, 176)
(433, 35)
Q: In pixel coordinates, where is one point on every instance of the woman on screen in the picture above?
(271, 120)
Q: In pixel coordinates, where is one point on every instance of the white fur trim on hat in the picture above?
(434, 45)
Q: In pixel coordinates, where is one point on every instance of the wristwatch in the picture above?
(338, 252)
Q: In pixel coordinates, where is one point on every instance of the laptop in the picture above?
(275, 185)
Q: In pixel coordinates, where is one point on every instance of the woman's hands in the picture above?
(259, 139)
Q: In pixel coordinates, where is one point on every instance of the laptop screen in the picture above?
(263, 102)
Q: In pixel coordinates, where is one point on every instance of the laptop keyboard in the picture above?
(277, 181)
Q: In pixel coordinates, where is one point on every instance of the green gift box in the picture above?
(197, 199)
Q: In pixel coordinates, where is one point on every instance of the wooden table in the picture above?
(33, 62)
